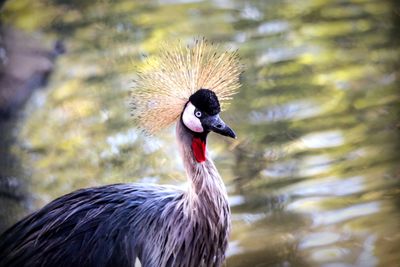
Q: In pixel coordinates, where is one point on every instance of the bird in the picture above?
(160, 225)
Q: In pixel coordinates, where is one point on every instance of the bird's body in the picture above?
(112, 225)
(115, 224)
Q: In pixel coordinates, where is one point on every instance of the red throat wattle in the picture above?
(199, 149)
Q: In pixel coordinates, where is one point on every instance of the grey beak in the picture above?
(217, 125)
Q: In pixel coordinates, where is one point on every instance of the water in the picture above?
(313, 177)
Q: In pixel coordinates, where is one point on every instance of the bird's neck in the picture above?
(205, 183)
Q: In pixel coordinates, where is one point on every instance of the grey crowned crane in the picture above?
(160, 225)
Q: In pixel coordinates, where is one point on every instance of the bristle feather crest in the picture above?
(166, 82)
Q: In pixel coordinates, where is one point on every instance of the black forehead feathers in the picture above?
(206, 100)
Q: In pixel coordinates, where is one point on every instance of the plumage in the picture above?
(206, 100)
(160, 225)
(166, 82)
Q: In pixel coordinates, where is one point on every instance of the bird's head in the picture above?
(186, 83)
(201, 114)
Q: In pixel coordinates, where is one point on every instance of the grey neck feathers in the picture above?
(206, 191)
(205, 224)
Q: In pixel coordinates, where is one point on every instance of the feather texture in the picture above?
(113, 225)
(166, 82)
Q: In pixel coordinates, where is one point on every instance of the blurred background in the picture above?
(314, 176)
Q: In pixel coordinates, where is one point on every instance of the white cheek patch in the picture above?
(190, 120)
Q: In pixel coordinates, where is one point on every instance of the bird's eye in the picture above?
(197, 113)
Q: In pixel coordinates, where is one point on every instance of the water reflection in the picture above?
(313, 177)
